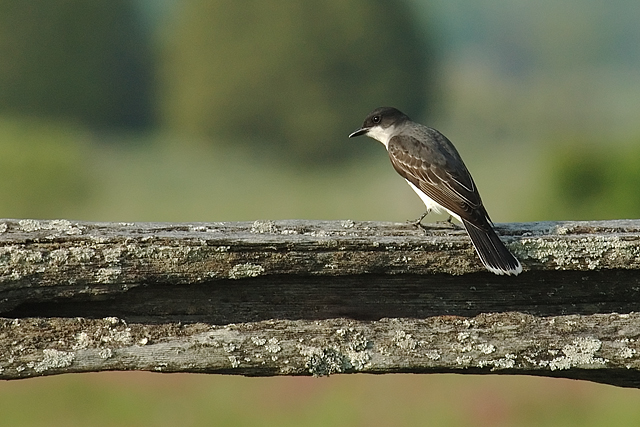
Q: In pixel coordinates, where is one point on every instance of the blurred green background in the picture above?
(213, 110)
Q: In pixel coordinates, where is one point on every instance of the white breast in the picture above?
(431, 204)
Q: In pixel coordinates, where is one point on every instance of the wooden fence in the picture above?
(317, 298)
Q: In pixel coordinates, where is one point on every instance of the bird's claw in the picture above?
(418, 222)
(449, 222)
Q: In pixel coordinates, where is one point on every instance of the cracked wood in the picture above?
(80, 296)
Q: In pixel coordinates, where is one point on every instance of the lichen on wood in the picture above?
(317, 298)
(599, 347)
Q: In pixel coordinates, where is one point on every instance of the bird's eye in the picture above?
(376, 119)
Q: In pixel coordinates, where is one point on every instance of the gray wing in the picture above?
(437, 169)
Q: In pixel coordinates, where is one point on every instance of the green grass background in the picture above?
(154, 399)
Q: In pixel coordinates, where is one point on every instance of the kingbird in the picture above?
(432, 167)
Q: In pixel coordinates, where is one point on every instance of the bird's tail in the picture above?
(492, 252)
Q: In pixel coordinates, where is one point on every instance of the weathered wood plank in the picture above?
(165, 289)
(600, 347)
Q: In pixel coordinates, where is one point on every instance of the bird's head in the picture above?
(381, 124)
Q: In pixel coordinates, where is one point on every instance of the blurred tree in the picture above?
(298, 75)
(75, 59)
(43, 169)
(590, 182)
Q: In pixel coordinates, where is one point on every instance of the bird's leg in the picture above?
(450, 222)
(418, 222)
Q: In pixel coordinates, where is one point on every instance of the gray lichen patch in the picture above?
(112, 255)
(506, 362)
(108, 275)
(272, 345)
(580, 354)
(473, 348)
(346, 351)
(75, 254)
(19, 256)
(258, 341)
(242, 271)
(29, 225)
(117, 336)
(56, 225)
(405, 341)
(327, 361)
(53, 359)
(264, 227)
(83, 340)
(584, 252)
(625, 348)
(18, 261)
(15, 262)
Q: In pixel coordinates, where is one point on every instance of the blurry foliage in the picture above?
(595, 182)
(297, 75)
(75, 59)
(43, 172)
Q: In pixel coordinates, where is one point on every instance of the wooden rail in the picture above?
(317, 298)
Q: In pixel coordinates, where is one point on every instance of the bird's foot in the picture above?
(418, 222)
(449, 222)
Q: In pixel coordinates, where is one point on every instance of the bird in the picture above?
(433, 168)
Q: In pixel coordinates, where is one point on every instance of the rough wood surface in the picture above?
(600, 347)
(313, 297)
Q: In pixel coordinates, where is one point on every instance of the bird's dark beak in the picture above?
(359, 132)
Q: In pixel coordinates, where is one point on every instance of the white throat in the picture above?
(381, 134)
